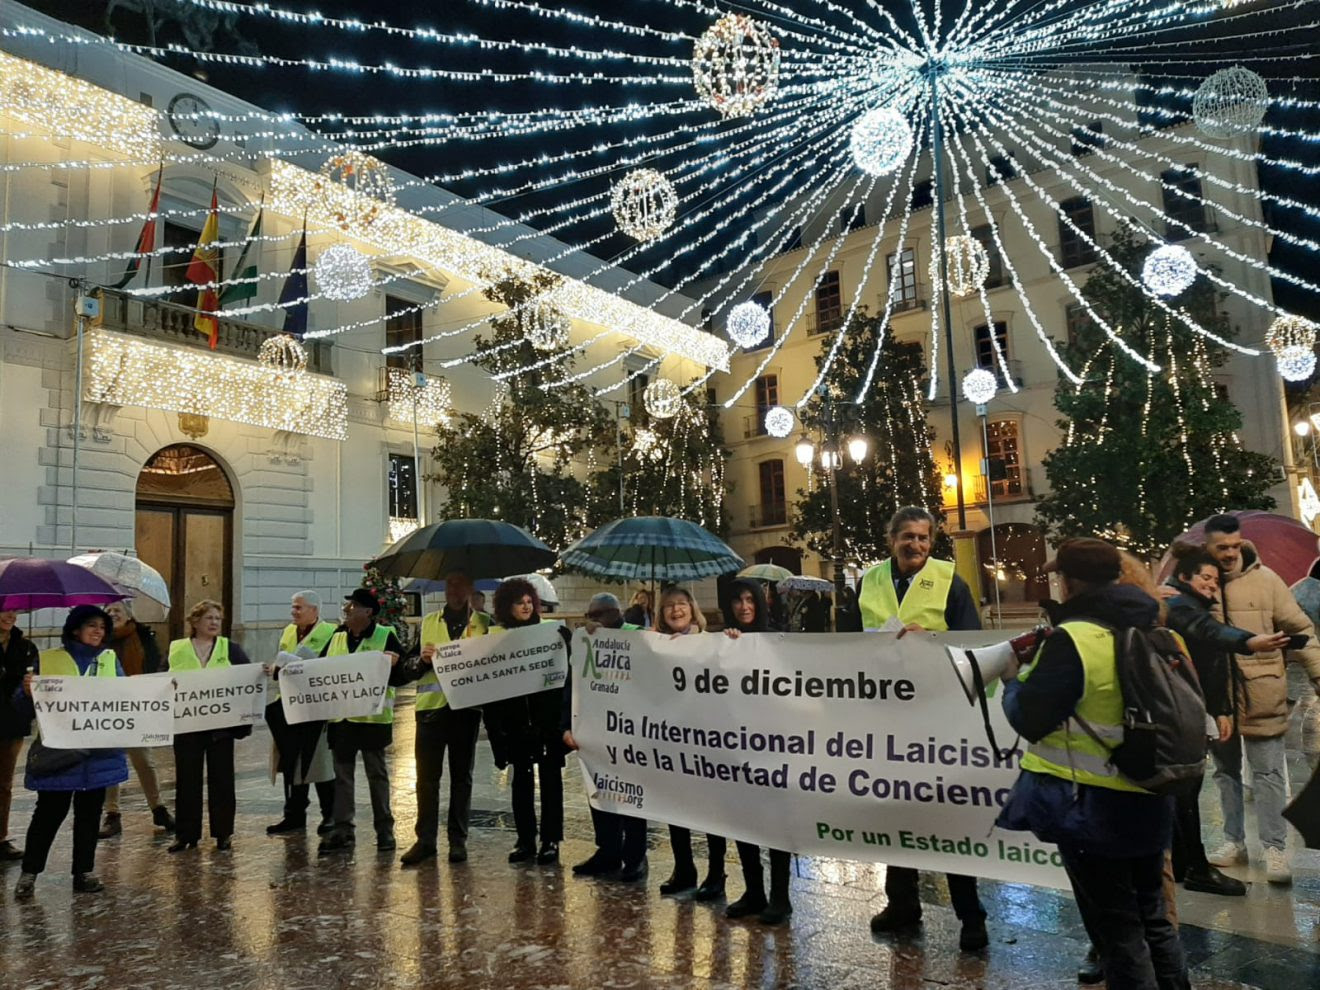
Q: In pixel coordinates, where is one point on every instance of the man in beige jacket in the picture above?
(1256, 599)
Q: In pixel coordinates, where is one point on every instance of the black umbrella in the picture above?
(1304, 812)
(480, 548)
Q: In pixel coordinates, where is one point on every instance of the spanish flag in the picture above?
(204, 272)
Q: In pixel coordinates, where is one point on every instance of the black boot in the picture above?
(680, 880)
(753, 898)
(161, 818)
(112, 826)
(711, 889)
(778, 909)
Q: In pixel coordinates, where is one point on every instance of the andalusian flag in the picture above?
(146, 242)
(204, 272)
(244, 283)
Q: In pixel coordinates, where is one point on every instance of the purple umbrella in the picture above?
(28, 583)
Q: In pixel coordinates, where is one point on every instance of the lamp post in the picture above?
(834, 421)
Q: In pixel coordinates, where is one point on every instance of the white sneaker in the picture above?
(1277, 867)
(1229, 854)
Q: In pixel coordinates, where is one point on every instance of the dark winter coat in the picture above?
(15, 658)
(1210, 643)
(526, 729)
(1096, 820)
(101, 767)
(347, 737)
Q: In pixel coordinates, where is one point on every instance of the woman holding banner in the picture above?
(212, 750)
(746, 611)
(524, 734)
(64, 777)
(679, 616)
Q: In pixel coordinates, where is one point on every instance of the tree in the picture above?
(1145, 455)
(671, 467)
(900, 469)
(393, 605)
(513, 462)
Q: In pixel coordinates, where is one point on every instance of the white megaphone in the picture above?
(989, 662)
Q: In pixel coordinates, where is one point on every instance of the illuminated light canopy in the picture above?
(969, 264)
(1230, 102)
(342, 273)
(979, 386)
(881, 141)
(662, 398)
(779, 422)
(1295, 364)
(545, 327)
(355, 189)
(283, 356)
(735, 65)
(645, 204)
(125, 371)
(431, 398)
(1168, 270)
(748, 324)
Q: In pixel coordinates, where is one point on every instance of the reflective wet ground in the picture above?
(269, 914)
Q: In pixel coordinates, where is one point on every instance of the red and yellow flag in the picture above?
(204, 272)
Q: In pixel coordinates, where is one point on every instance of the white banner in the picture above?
(104, 712)
(857, 746)
(509, 664)
(333, 687)
(218, 697)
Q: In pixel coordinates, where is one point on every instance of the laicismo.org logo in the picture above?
(619, 791)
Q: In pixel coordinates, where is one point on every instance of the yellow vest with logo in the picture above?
(430, 696)
(60, 663)
(184, 657)
(924, 603)
(375, 642)
(309, 647)
(1069, 751)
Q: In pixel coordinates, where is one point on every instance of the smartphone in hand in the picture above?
(1296, 642)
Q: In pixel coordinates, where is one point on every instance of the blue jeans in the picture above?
(1267, 760)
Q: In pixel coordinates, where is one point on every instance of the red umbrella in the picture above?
(33, 582)
(1285, 545)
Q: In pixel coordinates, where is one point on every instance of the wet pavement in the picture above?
(269, 914)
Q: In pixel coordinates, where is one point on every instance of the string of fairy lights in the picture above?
(744, 135)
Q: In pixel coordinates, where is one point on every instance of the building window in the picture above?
(767, 395)
(1073, 248)
(1087, 137)
(403, 325)
(1000, 168)
(773, 510)
(763, 299)
(1079, 324)
(986, 238)
(402, 486)
(1182, 203)
(1003, 458)
(637, 394)
(829, 303)
(903, 275)
(985, 347)
(178, 243)
(923, 194)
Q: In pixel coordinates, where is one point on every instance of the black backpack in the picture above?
(1164, 718)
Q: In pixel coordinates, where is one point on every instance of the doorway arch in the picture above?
(788, 557)
(185, 527)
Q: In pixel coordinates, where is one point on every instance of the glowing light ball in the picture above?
(355, 188)
(1290, 331)
(1168, 270)
(979, 386)
(779, 421)
(1295, 364)
(735, 65)
(283, 356)
(545, 327)
(1230, 102)
(342, 273)
(662, 398)
(748, 324)
(969, 264)
(645, 204)
(881, 141)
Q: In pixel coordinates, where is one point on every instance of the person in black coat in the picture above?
(1196, 578)
(17, 655)
(746, 611)
(524, 734)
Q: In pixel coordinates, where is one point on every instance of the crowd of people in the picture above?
(1124, 848)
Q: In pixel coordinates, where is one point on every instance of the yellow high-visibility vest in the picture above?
(373, 643)
(60, 663)
(309, 647)
(924, 603)
(435, 631)
(184, 657)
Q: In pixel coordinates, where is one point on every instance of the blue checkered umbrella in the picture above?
(651, 548)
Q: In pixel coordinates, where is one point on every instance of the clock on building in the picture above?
(188, 119)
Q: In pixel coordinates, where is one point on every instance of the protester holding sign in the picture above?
(746, 611)
(369, 735)
(210, 751)
(921, 593)
(524, 734)
(18, 654)
(64, 777)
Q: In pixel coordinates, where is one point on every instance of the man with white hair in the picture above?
(296, 747)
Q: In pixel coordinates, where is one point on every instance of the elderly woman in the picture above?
(137, 652)
(211, 750)
(680, 616)
(524, 734)
(82, 784)
(641, 611)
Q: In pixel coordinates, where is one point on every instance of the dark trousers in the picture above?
(1188, 849)
(552, 801)
(749, 856)
(680, 841)
(901, 889)
(297, 797)
(1122, 904)
(378, 783)
(47, 817)
(456, 732)
(194, 751)
(621, 838)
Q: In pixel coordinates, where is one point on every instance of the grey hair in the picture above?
(127, 605)
(605, 600)
(310, 599)
(907, 514)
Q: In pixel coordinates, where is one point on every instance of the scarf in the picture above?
(127, 645)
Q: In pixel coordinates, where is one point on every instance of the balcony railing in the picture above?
(771, 514)
(826, 322)
(901, 304)
(166, 321)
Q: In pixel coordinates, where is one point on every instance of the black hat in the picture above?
(1087, 559)
(364, 598)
